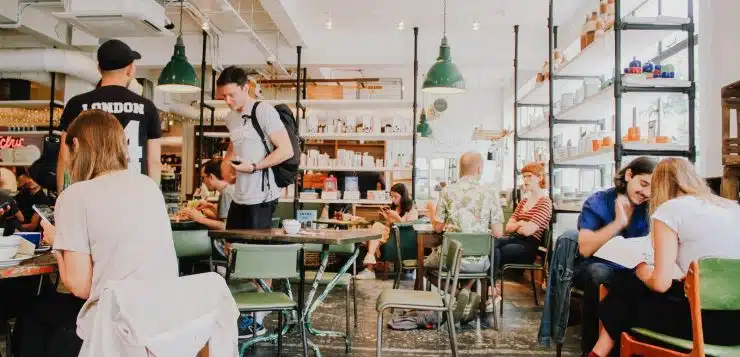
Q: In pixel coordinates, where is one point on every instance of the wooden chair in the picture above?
(709, 285)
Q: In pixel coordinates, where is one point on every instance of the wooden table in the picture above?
(41, 265)
(325, 237)
(426, 237)
(313, 236)
(341, 223)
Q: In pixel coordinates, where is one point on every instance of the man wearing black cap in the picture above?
(137, 115)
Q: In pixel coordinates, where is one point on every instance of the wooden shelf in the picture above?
(319, 200)
(29, 104)
(356, 169)
(358, 136)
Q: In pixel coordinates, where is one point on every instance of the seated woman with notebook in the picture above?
(688, 223)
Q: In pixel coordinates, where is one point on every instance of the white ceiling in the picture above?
(364, 34)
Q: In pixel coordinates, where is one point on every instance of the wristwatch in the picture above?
(254, 167)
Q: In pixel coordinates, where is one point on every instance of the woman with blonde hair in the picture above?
(688, 222)
(111, 223)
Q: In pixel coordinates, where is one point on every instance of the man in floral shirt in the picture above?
(468, 206)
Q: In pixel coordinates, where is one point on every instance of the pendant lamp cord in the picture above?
(182, 3)
(445, 19)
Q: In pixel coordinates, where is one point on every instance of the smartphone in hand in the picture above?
(46, 213)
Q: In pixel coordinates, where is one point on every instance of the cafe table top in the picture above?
(307, 236)
(43, 264)
(337, 222)
(425, 228)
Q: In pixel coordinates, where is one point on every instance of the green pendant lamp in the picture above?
(424, 129)
(178, 76)
(444, 77)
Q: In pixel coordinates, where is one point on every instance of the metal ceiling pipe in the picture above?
(270, 58)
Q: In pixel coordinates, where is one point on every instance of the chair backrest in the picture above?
(714, 290)
(257, 261)
(192, 243)
(474, 244)
(453, 258)
(401, 244)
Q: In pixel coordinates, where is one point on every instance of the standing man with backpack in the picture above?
(262, 152)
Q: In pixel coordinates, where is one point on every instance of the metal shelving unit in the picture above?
(593, 109)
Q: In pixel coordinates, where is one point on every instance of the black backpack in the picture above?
(285, 173)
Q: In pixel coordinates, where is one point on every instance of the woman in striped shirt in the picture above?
(529, 222)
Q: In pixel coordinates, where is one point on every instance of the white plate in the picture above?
(15, 261)
(43, 249)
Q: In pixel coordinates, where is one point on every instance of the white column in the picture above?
(74, 86)
(718, 54)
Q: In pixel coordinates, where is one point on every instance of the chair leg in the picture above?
(558, 349)
(280, 334)
(347, 328)
(451, 330)
(379, 343)
(501, 303)
(304, 341)
(534, 288)
(354, 299)
(397, 281)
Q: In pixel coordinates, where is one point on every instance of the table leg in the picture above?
(315, 304)
(419, 282)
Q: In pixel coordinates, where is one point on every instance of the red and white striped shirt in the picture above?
(539, 214)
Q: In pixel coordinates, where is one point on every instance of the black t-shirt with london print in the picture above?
(137, 115)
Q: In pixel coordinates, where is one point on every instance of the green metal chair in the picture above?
(474, 245)
(251, 261)
(400, 249)
(346, 281)
(425, 300)
(543, 252)
(709, 285)
(192, 245)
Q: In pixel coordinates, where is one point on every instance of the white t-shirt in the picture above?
(704, 229)
(249, 148)
(120, 219)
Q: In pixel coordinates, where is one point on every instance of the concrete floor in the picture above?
(516, 336)
(517, 333)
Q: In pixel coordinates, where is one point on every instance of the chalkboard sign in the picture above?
(305, 216)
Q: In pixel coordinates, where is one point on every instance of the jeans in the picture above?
(590, 273)
(515, 250)
(557, 298)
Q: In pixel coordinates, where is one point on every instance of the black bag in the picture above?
(285, 172)
(44, 170)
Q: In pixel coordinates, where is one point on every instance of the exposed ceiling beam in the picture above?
(284, 23)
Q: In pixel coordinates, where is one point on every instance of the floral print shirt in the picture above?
(469, 207)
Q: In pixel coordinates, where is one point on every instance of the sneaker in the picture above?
(461, 303)
(366, 274)
(245, 327)
(471, 309)
(489, 304)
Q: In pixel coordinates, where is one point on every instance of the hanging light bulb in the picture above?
(476, 25)
(401, 26)
(328, 24)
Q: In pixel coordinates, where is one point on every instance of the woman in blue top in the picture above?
(618, 211)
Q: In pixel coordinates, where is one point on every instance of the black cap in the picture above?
(115, 54)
